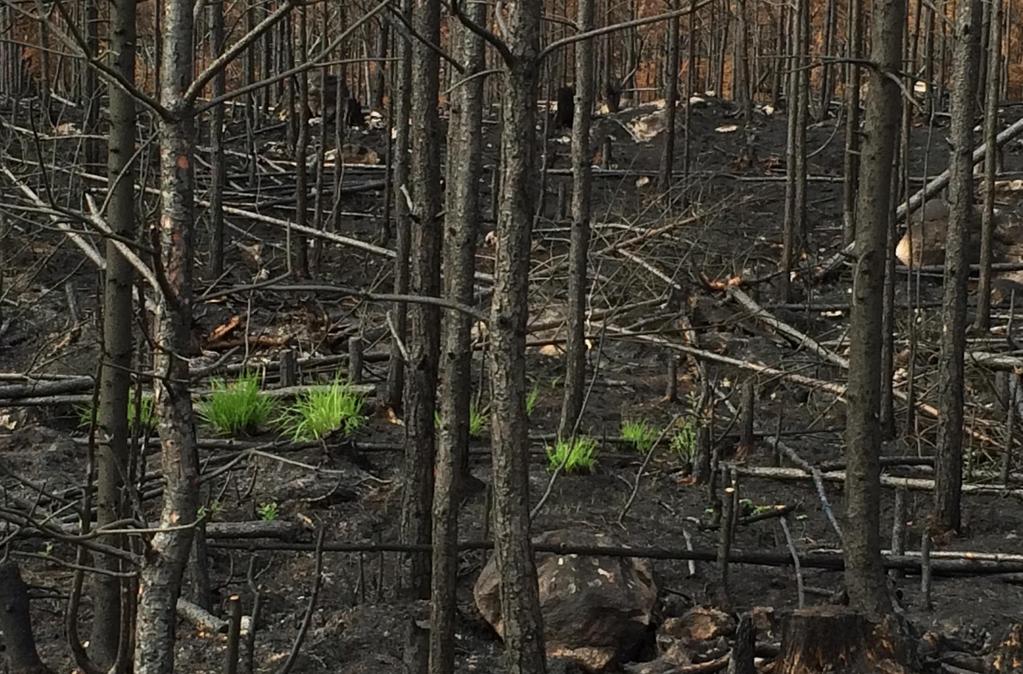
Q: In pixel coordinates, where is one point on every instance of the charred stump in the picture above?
(838, 640)
(566, 108)
(16, 641)
(1010, 652)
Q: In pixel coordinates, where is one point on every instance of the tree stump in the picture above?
(1010, 652)
(837, 640)
(16, 641)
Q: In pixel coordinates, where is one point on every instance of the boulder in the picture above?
(927, 236)
(597, 611)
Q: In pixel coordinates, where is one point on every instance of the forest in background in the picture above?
(659, 337)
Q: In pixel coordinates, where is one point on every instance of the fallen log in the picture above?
(284, 530)
(911, 483)
(817, 560)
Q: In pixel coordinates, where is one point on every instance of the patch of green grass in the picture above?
(146, 420)
(236, 407)
(640, 434)
(683, 442)
(321, 411)
(573, 456)
(478, 420)
(268, 512)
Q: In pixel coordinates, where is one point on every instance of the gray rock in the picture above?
(597, 611)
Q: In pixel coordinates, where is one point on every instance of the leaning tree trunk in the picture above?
(167, 552)
(115, 380)
(424, 319)
(16, 640)
(520, 602)
(582, 182)
(465, 141)
(864, 572)
(948, 468)
(983, 319)
(402, 220)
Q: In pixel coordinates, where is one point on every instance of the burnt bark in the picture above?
(983, 319)
(402, 219)
(864, 575)
(112, 454)
(852, 121)
(424, 328)
(582, 185)
(948, 468)
(815, 639)
(465, 141)
(16, 640)
(218, 172)
(300, 253)
(520, 604)
(168, 550)
(671, 106)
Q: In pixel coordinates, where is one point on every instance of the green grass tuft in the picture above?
(639, 434)
(532, 398)
(573, 456)
(683, 442)
(236, 407)
(321, 411)
(478, 421)
(146, 420)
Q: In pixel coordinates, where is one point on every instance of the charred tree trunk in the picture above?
(300, 254)
(671, 107)
(115, 381)
(794, 227)
(864, 572)
(852, 122)
(167, 551)
(520, 603)
(948, 468)
(402, 219)
(987, 231)
(582, 182)
(424, 320)
(218, 172)
(465, 141)
(16, 640)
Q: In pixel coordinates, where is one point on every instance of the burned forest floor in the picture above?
(664, 273)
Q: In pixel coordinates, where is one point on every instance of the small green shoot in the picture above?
(532, 398)
(236, 407)
(478, 420)
(321, 411)
(573, 456)
(683, 442)
(268, 512)
(210, 512)
(146, 420)
(639, 434)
